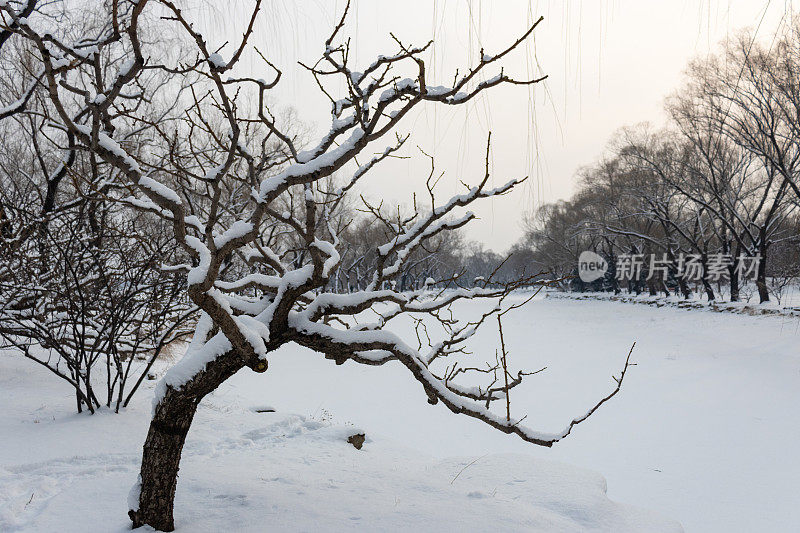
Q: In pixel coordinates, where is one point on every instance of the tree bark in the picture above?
(733, 275)
(161, 460)
(162, 449)
(734, 283)
(685, 290)
(709, 290)
(761, 279)
(706, 285)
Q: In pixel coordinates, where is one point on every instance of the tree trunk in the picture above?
(164, 444)
(761, 279)
(709, 290)
(78, 399)
(685, 290)
(161, 459)
(706, 285)
(733, 274)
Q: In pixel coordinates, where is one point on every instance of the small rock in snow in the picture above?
(357, 440)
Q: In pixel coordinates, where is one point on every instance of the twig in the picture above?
(467, 466)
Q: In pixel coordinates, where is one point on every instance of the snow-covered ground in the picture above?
(749, 306)
(704, 432)
(784, 296)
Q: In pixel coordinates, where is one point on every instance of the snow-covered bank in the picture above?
(249, 471)
(744, 307)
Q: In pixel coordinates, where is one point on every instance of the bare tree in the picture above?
(744, 153)
(80, 279)
(223, 172)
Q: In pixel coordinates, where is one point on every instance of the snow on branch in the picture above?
(263, 221)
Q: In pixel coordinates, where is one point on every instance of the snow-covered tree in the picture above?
(79, 291)
(251, 211)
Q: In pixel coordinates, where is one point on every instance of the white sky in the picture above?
(610, 63)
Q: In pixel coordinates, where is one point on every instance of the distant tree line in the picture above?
(720, 180)
(448, 261)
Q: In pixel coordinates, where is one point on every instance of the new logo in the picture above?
(591, 266)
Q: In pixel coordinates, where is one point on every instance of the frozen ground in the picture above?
(704, 431)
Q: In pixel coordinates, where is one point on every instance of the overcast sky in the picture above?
(610, 63)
